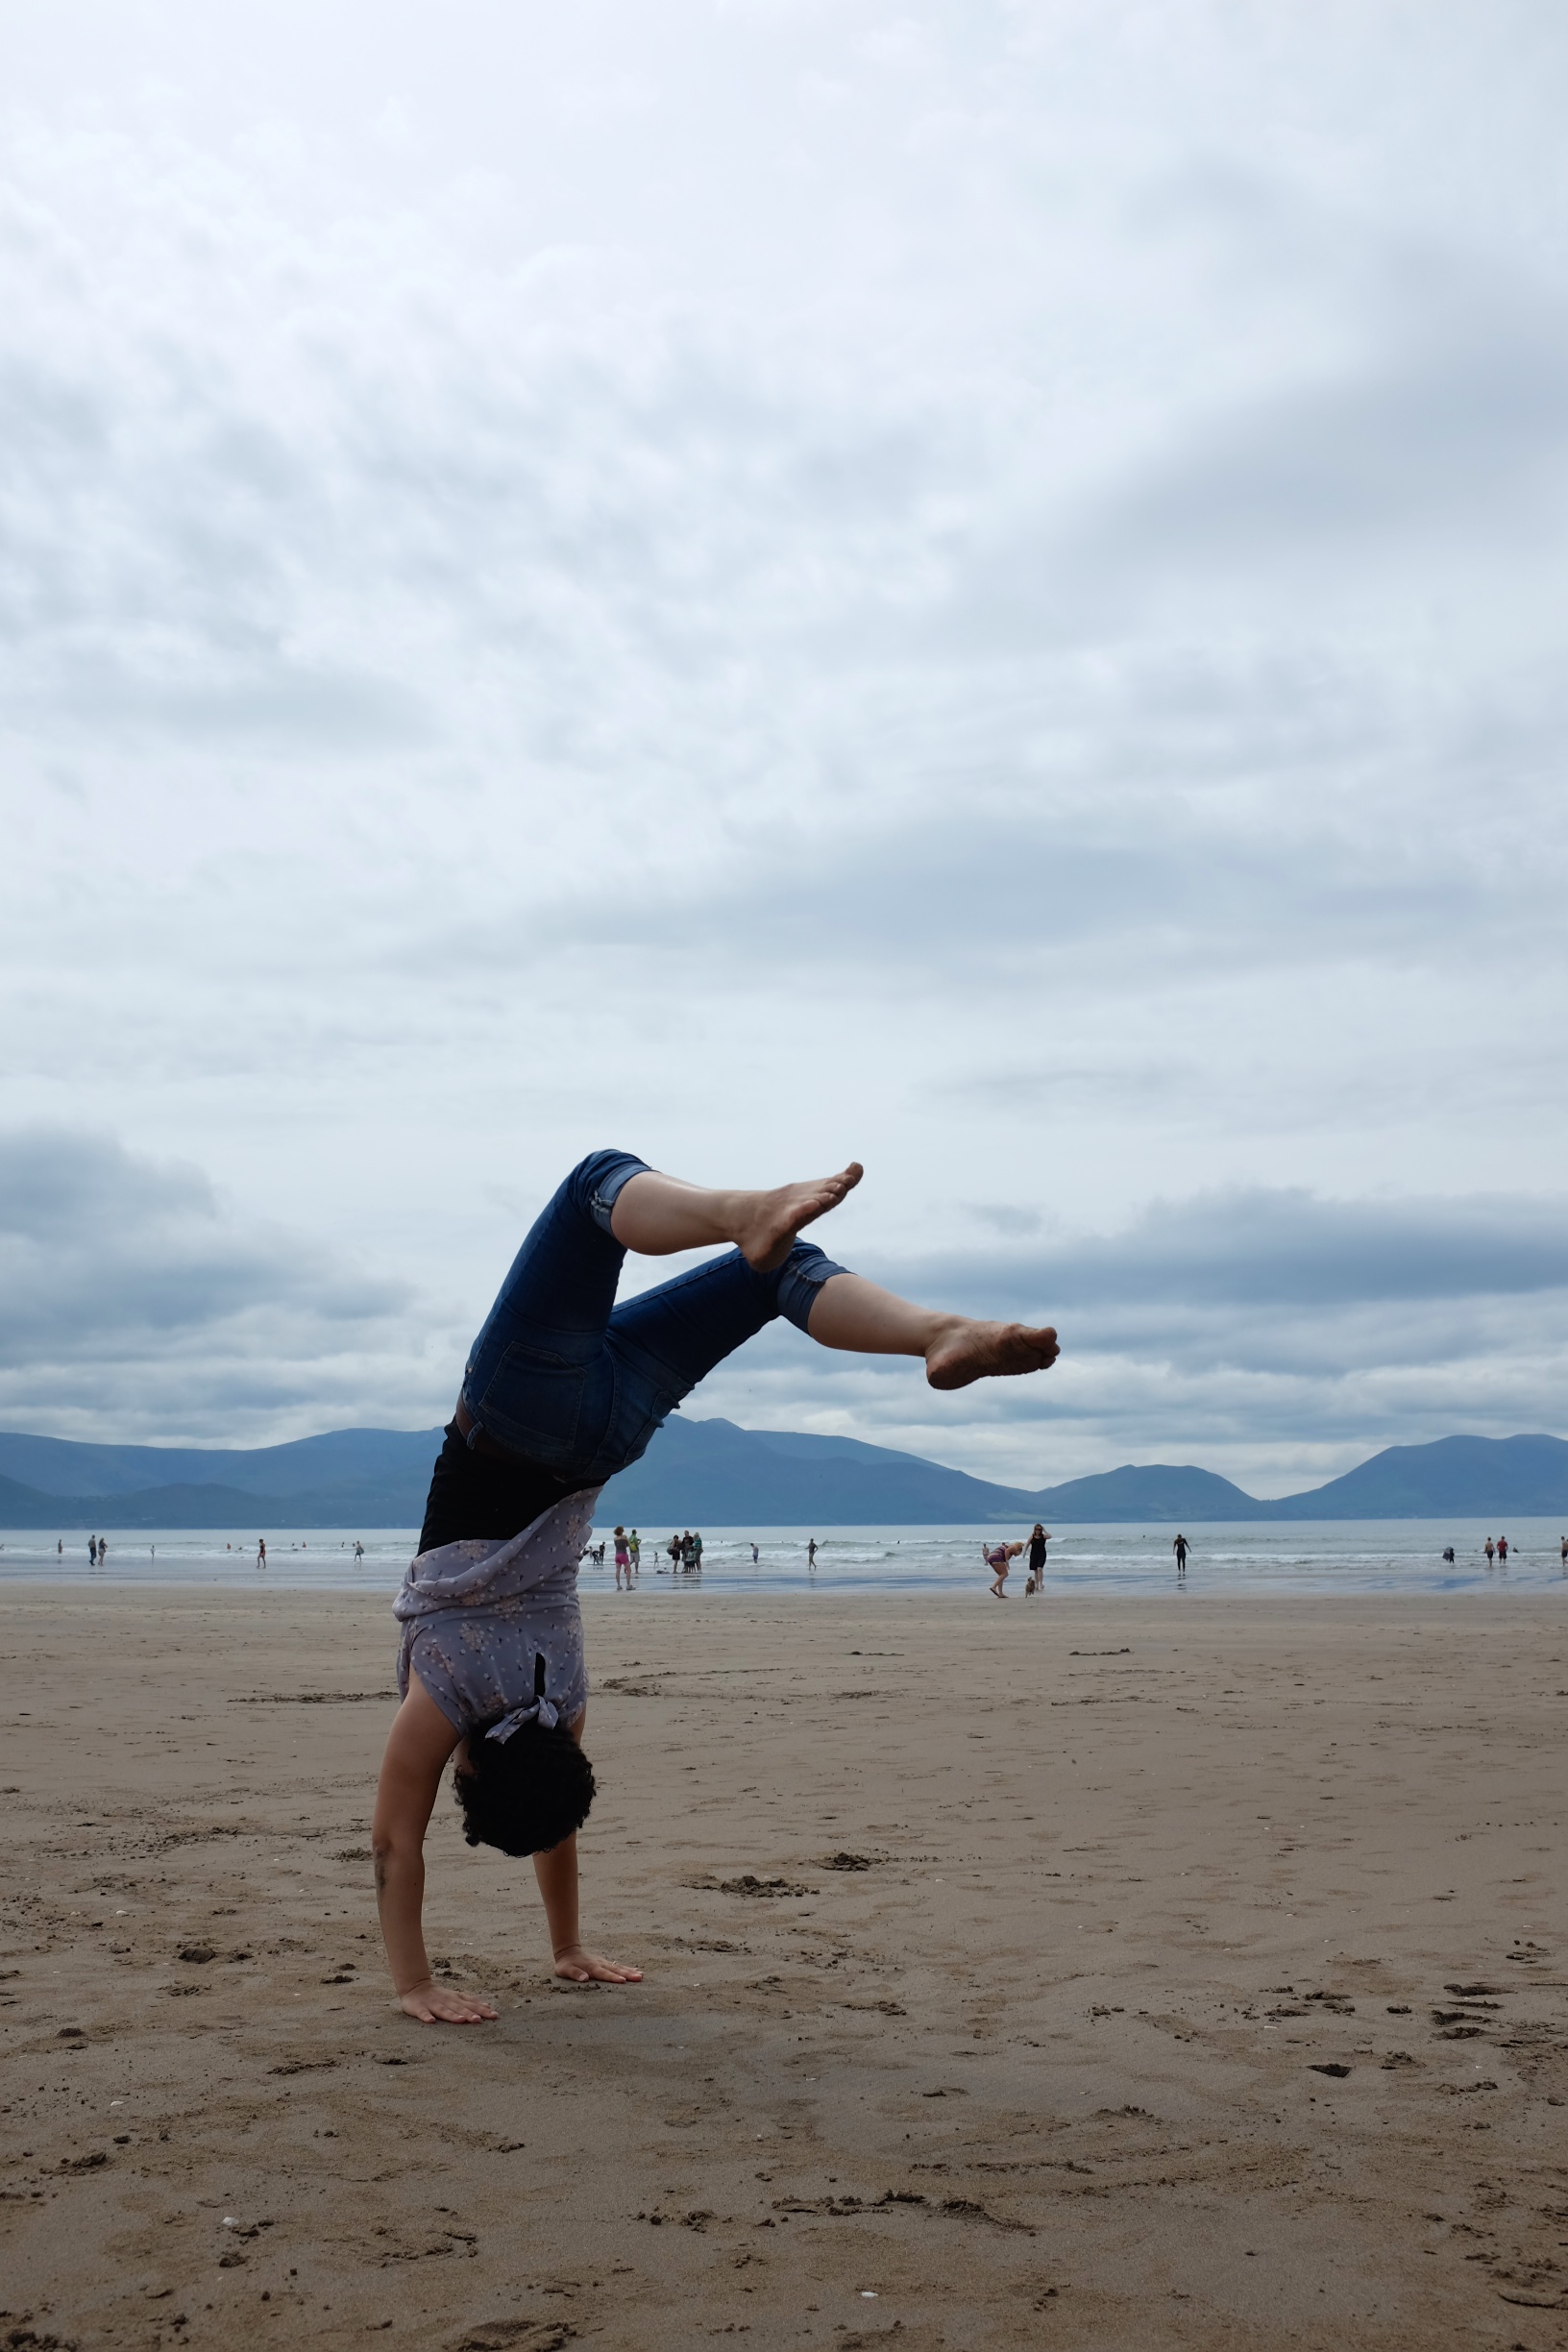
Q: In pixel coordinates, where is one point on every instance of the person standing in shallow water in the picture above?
(564, 1387)
(1489, 1548)
(1179, 1546)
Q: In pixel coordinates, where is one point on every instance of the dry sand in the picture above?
(1112, 1975)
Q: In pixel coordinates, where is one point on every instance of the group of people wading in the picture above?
(685, 1554)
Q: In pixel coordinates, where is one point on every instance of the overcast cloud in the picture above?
(978, 588)
(137, 1299)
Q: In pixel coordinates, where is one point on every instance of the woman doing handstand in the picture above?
(563, 1387)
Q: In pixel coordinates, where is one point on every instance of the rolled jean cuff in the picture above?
(601, 1177)
(799, 1279)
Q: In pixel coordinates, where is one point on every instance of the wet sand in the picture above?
(1094, 1976)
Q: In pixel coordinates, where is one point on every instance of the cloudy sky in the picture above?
(978, 587)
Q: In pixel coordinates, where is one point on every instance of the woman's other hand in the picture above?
(580, 1967)
(436, 2005)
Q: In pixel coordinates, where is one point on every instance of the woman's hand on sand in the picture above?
(436, 2005)
(580, 1967)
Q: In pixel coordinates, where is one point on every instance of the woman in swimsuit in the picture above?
(563, 1387)
(998, 1558)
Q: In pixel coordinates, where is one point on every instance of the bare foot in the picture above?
(966, 1350)
(767, 1222)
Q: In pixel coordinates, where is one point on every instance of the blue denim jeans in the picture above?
(563, 1377)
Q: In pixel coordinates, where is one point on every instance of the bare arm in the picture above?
(556, 1871)
(557, 1874)
(421, 1740)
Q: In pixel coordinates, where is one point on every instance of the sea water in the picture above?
(1341, 1555)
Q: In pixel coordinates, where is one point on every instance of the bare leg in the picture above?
(852, 1313)
(657, 1215)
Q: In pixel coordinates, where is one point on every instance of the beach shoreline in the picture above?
(995, 1961)
(1093, 1561)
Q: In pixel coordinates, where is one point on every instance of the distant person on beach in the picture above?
(810, 1553)
(1179, 1546)
(1562, 1551)
(1037, 1542)
(1489, 1548)
(756, 1554)
(564, 1387)
(359, 1551)
(1502, 1548)
(672, 1547)
(60, 1548)
(1449, 1556)
(697, 1550)
(688, 1557)
(623, 1558)
(103, 1550)
(260, 1551)
(634, 1547)
(93, 1550)
(998, 1558)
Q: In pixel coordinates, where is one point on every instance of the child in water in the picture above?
(563, 1387)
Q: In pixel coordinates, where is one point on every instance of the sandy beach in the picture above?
(1090, 1974)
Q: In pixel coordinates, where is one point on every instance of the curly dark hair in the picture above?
(527, 1793)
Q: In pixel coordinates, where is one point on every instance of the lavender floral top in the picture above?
(476, 1614)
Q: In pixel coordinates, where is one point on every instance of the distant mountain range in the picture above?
(713, 1474)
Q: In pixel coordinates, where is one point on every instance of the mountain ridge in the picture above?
(715, 1473)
